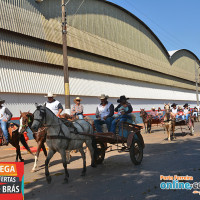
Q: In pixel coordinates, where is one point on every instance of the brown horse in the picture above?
(26, 120)
(14, 138)
(169, 122)
(145, 118)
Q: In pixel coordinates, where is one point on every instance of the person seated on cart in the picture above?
(104, 114)
(180, 114)
(160, 113)
(174, 111)
(124, 109)
(154, 113)
(77, 109)
(186, 112)
(195, 112)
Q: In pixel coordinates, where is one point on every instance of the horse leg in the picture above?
(84, 161)
(20, 156)
(168, 132)
(44, 149)
(37, 155)
(17, 152)
(49, 156)
(64, 160)
(145, 127)
(93, 151)
(68, 156)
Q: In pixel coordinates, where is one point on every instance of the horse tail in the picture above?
(23, 141)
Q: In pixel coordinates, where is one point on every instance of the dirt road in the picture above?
(117, 177)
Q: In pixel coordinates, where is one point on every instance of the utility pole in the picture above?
(197, 84)
(65, 60)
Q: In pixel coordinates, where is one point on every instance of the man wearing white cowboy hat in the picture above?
(77, 109)
(5, 116)
(54, 105)
(104, 113)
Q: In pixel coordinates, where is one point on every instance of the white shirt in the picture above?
(2, 113)
(186, 111)
(53, 106)
(104, 110)
(174, 110)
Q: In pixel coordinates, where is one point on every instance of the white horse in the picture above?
(61, 138)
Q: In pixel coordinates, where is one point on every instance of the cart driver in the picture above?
(186, 112)
(174, 111)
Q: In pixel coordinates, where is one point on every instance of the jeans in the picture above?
(186, 117)
(180, 117)
(4, 129)
(122, 118)
(98, 123)
(195, 114)
(80, 116)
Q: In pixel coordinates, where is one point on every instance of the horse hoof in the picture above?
(33, 170)
(22, 160)
(16, 160)
(83, 173)
(48, 178)
(65, 181)
(93, 165)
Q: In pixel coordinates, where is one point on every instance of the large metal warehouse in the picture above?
(110, 51)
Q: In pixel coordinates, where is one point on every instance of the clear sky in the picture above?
(175, 22)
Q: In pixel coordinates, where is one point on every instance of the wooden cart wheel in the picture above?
(136, 152)
(101, 149)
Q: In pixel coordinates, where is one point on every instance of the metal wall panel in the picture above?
(99, 28)
(26, 102)
(28, 78)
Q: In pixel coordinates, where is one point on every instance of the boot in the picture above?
(5, 143)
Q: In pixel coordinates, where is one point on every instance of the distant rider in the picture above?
(5, 116)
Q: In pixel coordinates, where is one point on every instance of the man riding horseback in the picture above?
(5, 116)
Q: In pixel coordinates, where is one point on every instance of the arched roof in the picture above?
(169, 53)
(174, 52)
(140, 21)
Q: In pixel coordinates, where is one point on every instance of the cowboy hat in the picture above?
(174, 104)
(103, 96)
(180, 108)
(77, 99)
(50, 94)
(186, 105)
(153, 108)
(2, 100)
(121, 98)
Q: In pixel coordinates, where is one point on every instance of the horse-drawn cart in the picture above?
(127, 139)
(189, 123)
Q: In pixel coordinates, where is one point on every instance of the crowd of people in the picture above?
(104, 112)
(180, 113)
